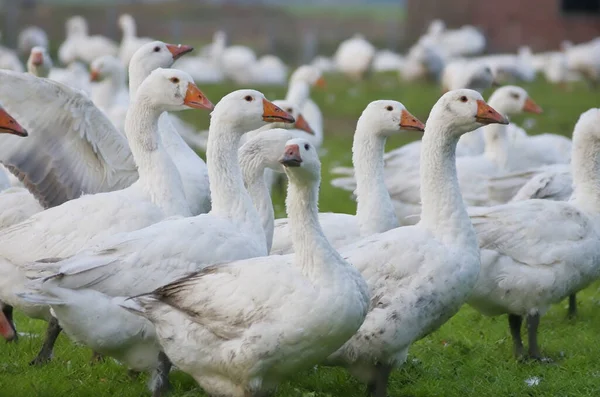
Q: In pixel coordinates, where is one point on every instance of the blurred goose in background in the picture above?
(324, 64)
(535, 253)
(109, 91)
(584, 59)
(9, 60)
(79, 46)
(424, 61)
(130, 43)
(463, 73)
(464, 41)
(387, 61)
(31, 37)
(354, 57)
(207, 66)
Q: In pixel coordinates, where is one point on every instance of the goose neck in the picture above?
(443, 212)
(375, 211)
(313, 252)
(158, 176)
(497, 144)
(105, 93)
(253, 171)
(298, 93)
(585, 167)
(229, 197)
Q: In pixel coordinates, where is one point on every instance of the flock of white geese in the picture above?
(112, 233)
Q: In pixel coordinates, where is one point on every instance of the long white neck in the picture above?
(105, 92)
(585, 167)
(137, 75)
(253, 171)
(298, 93)
(158, 176)
(313, 253)
(229, 197)
(495, 137)
(129, 29)
(443, 212)
(375, 210)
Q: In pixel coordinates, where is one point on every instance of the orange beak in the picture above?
(94, 75)
(321, 83)
(8, 125)
(302, 124)
(37, 58)
(179, 50)
(291, 156)
(6, 329)
(273, 113)
(531, 107)
(196, 99)
(410, 122)
(487, 115)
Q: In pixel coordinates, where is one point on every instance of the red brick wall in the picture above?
(506, 23)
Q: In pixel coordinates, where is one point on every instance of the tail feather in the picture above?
(41, 299)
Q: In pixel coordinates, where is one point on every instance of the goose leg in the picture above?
(514, 323)
(7, 311)
(572, 313)
(377, 387)
(96, 358)
(533, 321)
(45, 353)
(160, 377)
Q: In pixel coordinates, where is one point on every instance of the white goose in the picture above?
(375, 211)
(79, 46)
(537, 252)
(110, 93)
(419, 276)
(131, 263)
(463, 73)
(158, 193)
(241, 328)
(130, 43)
(31, 37)
(353, 57)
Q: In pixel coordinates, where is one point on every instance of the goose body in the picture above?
(319, 301)
(354, 56)
(80, 46)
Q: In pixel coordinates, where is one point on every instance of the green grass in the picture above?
(468, 356)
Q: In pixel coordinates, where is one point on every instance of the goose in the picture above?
(424, 61)
(419, 276)
(462, 73)
(31, 37)
(537, 252)
(375, 211)
(110, 93)
(269, 70)
(353, 57)
(135, 262)
(464, 41)
(584, 59)
(39, 62)
(387, 61)
(130, 43)
(508, 68)
(319, 301)
(75, 75)
(237, 63)
(206, 67)
(80, 46)
(157, 194)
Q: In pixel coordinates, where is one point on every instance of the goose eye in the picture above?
(514, 95)
(306, 146)
(389, 108)
(289, 110)
(248, 98)
(463, 98)
(156, 49)
(174, 80)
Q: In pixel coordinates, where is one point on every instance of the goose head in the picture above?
(512, 100)
(301, 161)
(127, 24)
(173, 90)
(8, 125)
(248, 110)
(39, 62)
(460, 111)
(156, 55)
(386, 118)
(76, 26)
(300, 124)
(104, 67)
(266, 146)
(309, 74)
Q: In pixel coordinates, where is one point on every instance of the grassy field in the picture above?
(469, 356)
